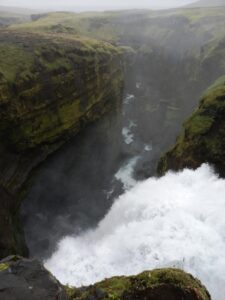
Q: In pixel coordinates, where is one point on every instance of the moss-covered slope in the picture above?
(50, 88)
(159, 284)
(48, 84)
(203, 136)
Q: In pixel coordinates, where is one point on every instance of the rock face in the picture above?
(50, 88)
(203, 136)
(24, 279)
(159, 284)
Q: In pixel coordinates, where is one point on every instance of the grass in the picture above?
(116, 287)
(14, 60)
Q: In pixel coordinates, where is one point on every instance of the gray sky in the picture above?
(60, 4)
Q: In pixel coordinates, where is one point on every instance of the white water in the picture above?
(128, 98)
(127, 133)
(177, 220)
(125, 173)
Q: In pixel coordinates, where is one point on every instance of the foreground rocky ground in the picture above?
(26, 279)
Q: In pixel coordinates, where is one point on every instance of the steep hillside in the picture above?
(203, 136)
(50, 88)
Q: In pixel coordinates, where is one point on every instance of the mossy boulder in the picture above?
(203, 137)
(159, 284)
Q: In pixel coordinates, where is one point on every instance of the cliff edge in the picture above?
(203, 137)
(50, 88)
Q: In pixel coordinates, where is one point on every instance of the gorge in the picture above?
(98, 99)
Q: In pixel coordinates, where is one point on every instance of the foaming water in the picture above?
(125, 173)
(177, 220)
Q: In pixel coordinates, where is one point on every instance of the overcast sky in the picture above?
(60, 4)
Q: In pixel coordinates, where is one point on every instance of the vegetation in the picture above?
(156, 284)
(3, 267)
(202, 139)
(38, 71)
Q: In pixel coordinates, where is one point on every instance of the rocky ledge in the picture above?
(25, 279)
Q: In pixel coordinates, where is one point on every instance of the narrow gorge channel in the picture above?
(88, 227)
(86, 161)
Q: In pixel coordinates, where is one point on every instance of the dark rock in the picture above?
(26, 279)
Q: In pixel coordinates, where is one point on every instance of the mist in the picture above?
(95, 4)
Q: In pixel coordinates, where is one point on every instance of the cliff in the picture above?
(27, 279)
(203, 137)
(177, 54)
(50, 88)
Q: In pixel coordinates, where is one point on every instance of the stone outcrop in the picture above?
(26, 279)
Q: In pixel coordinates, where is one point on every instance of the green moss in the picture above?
(199, 124)
(3, 267)
(217, 84)
(203, 136)
(125, 287)
(13, 60)
(52, 83)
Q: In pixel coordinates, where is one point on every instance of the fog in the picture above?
(95, 4)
